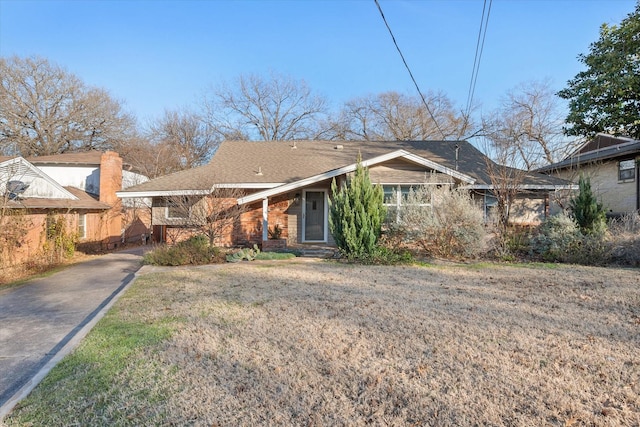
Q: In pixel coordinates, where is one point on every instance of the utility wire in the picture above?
(484, 22)
(409, 70)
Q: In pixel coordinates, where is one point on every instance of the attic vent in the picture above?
(259, 173)
(15, 188)
(339, 147)
(293, 147)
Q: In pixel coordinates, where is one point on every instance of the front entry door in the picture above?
(314, 216)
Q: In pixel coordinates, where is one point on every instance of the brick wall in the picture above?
(249, 229)
(244, 231)
(33, 235)
(616, 196)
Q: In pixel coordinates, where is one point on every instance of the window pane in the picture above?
(626, 170)
(627, 174)
(81, 225)
(404, 191)
(389, 193)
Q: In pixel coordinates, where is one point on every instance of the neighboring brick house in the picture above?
(81, 188)
(612, 165)
(287, 183)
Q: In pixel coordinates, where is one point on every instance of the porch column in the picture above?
(265, 219)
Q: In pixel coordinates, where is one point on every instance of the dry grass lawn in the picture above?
(317, 343)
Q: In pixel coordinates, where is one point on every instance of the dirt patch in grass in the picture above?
(319, 343)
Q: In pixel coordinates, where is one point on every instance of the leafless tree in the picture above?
(529, 123)
(186, 135)
(506, 183)
(255, 108)
(150, 159)
(398, 117)
(47, 110)
(213, 215)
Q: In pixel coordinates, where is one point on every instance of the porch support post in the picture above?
(265, 219)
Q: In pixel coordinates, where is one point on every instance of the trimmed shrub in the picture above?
(193, 251)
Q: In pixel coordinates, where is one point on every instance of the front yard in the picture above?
(305, 342)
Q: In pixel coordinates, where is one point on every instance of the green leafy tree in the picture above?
(588, 213)
(606, 96)
(357, 213)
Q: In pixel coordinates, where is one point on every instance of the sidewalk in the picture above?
(44, 319)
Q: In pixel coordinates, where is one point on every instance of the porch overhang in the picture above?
(284, 188)
(194, 192)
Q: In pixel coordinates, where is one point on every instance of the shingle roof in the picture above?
(601, 141)
(277, 162)
(85, 201)
(601, 148)
(79, 158)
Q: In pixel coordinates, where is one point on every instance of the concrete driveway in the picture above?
(45, 318)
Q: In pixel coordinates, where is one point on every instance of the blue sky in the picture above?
(156, 55)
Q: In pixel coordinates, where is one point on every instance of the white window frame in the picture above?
(82, 225)
(398, 197)
(627, 166)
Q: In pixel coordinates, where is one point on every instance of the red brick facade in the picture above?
(249, 230)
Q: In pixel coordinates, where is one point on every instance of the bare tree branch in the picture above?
(278, 108)
(214, 215)
(529, 120)
(398, 117)
(46, 110)
(186, 135)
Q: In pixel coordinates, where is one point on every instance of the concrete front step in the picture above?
(314, 251)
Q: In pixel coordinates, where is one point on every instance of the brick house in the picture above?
(612, 164)
(287, 183)
(79, 187)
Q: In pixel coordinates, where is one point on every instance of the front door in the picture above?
(314, 216)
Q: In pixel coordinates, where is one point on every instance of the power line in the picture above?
(484, 22)
(409, 70)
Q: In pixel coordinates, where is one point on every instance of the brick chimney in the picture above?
(110, 177)
(110, 182)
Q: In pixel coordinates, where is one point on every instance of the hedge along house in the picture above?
(78, 187)
(612, 165)
(287, 184)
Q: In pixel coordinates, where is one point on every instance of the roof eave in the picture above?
(199, 192)
(350, 168)
(161, 193)
(546, 187)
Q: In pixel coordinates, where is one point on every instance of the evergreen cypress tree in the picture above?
(588, 213)
(356, 213)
